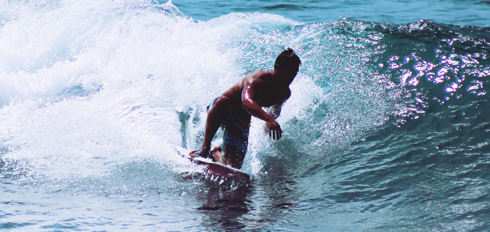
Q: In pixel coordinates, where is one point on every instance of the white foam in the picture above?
(86, 85)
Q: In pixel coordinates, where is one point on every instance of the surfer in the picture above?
(233, 109)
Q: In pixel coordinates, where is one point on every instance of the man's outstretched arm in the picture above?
(256, 110)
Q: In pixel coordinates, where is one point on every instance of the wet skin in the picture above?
(246, 98)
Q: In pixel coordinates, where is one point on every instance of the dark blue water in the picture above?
(387, 128)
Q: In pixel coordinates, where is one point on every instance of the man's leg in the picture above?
(235, 143)
(216, 116)
(234, 157)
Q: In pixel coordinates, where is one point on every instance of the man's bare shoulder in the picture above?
(262, 73)
(253, 79)
(258, 76)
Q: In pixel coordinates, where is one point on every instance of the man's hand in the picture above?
(275, 131)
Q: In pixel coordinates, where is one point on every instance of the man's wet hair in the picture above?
(287, 57)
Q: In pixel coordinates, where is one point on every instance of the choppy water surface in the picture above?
(386, 129)
(469, 12)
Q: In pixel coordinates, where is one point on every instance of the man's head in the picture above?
(287, 58)
(287, 65)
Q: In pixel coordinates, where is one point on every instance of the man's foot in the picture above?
(202, 153)
(219, 156)
(216, 153)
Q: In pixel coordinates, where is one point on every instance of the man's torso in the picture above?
(266, 92)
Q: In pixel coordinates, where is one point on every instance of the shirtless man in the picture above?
(234, 108)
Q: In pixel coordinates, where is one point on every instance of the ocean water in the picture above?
(387, 128)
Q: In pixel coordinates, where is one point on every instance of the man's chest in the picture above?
(270, 96)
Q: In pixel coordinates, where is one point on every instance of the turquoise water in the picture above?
(474, 13)
(387, 128)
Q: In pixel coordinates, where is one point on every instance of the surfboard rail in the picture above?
(215, 168)
(219, 168)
